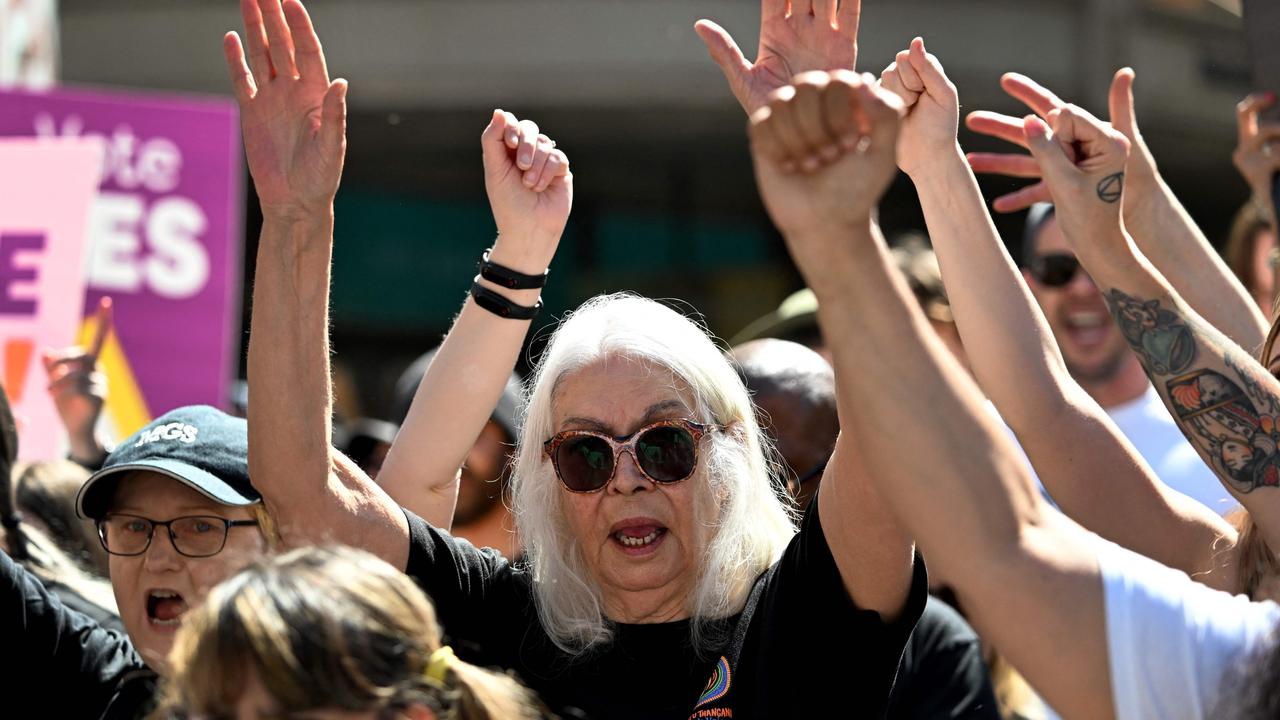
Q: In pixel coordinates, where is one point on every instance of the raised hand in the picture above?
(1084, 161)
(530, 189)
(933, 109)
(79, 390)
(795, 37)
(852, 124)
(1042, 101)
(1257, 155)
(292, 116)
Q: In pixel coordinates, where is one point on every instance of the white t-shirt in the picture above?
(1171, 640)
(1148, 425)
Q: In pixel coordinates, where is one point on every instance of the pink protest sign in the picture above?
(46, 190)
(164, 242)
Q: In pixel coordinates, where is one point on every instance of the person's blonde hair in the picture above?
(327, 628)
(737, 503)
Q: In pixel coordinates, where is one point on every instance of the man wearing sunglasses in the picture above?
(1100, 360)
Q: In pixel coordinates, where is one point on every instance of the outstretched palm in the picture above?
(795, 37)
(292, 117)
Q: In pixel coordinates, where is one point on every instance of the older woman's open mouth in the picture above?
(638, 536)
(165, 608)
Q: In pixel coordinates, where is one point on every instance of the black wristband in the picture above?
(508, 278)
(500, 306)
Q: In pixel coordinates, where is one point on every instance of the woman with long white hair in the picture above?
(664, 576)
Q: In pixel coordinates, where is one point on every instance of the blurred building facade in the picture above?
(666, 203)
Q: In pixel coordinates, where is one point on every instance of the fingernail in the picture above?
(850, 142)
(830, 152)
(526, 160)
(810, 164)
(788, 167)
(530, 178)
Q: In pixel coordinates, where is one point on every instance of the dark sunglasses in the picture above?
(666, 452)
(1054, 269)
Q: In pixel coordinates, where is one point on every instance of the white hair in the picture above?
(747, 521)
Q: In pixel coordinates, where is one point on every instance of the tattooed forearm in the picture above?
(1160, 337)
(1111, 188)
(1254, 377)
(1232, 421)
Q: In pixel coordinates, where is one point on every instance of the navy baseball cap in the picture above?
(199, 446)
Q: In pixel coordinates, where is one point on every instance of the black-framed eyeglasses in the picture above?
(194, 536)
(1054, 269)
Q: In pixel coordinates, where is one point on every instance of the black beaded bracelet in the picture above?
(500, 306)
(508, 278)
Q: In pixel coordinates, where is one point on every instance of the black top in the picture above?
(61, 663)
(81, 604)
(799, 648)
(942, 673)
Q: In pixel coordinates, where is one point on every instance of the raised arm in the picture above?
(1221, 398)
(530, 190)
(294, 121)
(79, 390)
(937, 459)
(1161, 227)
(1087, 465)
(795, 37)
(871, 550)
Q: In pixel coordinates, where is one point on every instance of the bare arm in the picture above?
(948, 474)
(465, 379)
(1088, 466)
(1161, 227)
(872, 552)
(294, 121)
(871, 548)
(1221, 398)
(79, 390)
(796, 38)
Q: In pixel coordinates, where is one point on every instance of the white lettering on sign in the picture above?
(135, 247)
(154, 164)
(178, 266)
(113, 222)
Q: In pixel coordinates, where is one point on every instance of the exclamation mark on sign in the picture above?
(17, 359)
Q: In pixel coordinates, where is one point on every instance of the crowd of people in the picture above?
(1082, 450)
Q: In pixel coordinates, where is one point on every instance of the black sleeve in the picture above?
(479, 597)
(943, 675)
(48, 645)
(814, 649)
